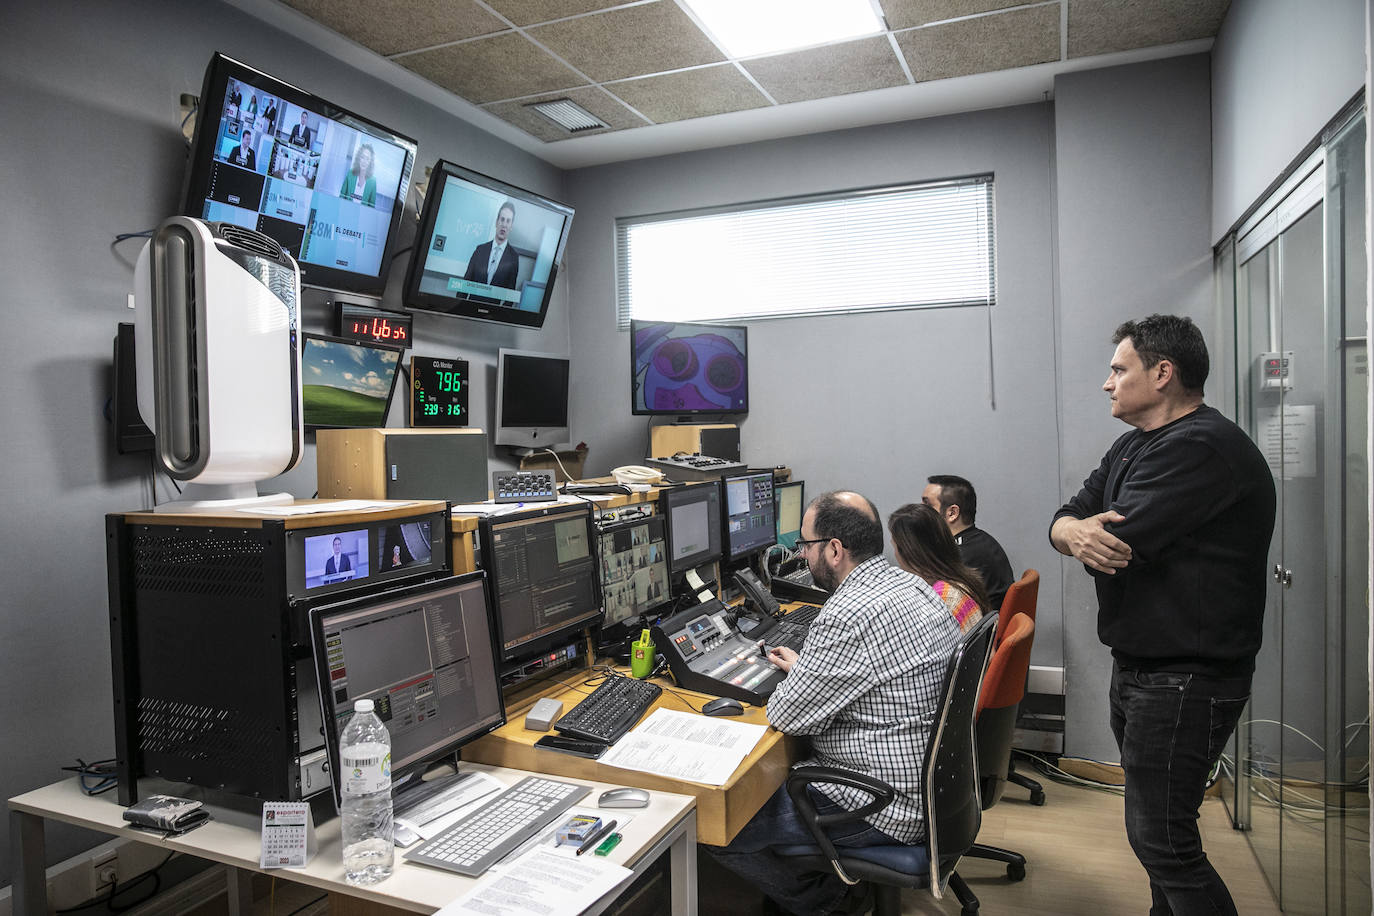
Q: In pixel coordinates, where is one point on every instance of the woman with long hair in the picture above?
(925, 547)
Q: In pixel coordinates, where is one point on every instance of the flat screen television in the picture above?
(327, 184)
(683, 369)
(346, 383)
(486, 249)
(531, 399)
(425, 656)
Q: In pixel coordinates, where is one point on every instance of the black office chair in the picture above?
(952, 807)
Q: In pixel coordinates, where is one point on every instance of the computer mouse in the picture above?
(725, 706)
(623, 798)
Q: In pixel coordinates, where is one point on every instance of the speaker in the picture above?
(401, 463)
(719, 440)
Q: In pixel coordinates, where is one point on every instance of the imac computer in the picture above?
(424, 655)
(693, 516)
(749, 515)
(634, 573)
(789, 500)
(543, 577)
(531, 399)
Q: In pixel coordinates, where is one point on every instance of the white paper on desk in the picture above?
(476, 788)
(541, 883)
(333, 505)
(685, 746)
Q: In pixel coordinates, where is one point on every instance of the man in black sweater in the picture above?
(1174, 528)
(957, 502)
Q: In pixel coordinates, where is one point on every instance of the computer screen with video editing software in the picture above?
(749, 514)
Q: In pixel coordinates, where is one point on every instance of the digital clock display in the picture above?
(438, 391)
(357, 322)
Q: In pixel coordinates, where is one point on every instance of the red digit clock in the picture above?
(368, 325)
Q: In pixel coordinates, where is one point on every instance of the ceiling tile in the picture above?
(907, 14)
(631, 41)
(504, 66)
(854, 66)
(389, 26)
(594, 100)
(528, 12)
(1103, 26)
(1000, 41)
(690, 94)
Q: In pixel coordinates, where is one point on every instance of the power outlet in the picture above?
(104, 870)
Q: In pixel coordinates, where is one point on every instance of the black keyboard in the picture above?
(802, 616)
(610, 710)
(791, 628)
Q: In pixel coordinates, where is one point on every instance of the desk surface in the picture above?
(233, 838)
(721, 810)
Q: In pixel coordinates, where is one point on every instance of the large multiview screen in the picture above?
(326, 184)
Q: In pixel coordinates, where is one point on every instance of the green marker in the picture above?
(605, 848)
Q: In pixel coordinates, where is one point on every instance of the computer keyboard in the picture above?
(610, 710)
(791, 629)
(802, 616)
(484, 837)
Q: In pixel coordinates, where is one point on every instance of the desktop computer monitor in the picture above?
(543, 577)
(789, 502)
(749, 514)
(424, 655)
(693, 515)
(634, 569)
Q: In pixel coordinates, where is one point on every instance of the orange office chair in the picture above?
(1003, 688)
(1021, 598)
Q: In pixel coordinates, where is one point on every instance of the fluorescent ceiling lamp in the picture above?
(747, 28)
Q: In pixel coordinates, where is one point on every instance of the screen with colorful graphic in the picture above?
(688, 368)
(346, 383)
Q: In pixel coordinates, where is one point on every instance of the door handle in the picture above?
(1287, 578)
(1278, 572)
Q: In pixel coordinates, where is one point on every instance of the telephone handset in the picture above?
(636, 473)
(756, 594)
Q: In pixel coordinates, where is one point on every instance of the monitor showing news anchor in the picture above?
(336, 557)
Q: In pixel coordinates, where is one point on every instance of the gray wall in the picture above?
(1280, 70)
(91, 148)
(1133, 176)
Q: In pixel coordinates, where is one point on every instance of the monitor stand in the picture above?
(211, 496)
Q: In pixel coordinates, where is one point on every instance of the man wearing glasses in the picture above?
(864, 689)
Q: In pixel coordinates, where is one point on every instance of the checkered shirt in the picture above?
(866, 687)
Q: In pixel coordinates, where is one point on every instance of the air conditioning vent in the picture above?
(249, 240)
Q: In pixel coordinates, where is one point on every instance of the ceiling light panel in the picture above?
(748, 28)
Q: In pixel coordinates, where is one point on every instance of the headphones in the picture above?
(636, 474)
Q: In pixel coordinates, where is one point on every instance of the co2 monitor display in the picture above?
(326, 184)
(438, 392)
(750, 516)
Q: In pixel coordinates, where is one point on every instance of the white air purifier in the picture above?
(218, 357)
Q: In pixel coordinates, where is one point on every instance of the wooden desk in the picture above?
(233, 838)
(721, 810)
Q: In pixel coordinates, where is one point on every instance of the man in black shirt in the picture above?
(1174, 528)
(954, 498)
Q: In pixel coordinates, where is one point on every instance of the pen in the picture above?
(595, 838)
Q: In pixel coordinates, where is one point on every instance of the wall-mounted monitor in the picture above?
(688, 368)
(327, 184)
(424, 655)
(750, 515)
(346, 383)
(486, 249)
(531, 399)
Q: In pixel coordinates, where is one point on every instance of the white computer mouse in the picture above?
(623, 798)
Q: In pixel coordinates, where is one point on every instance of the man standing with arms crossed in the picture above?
(1174, 528)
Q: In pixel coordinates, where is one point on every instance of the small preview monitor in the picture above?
(531, 399)
(337, 557)
(750, 516)
(438, 392)
(424, 655)
(326, 184)
(789, 500)
(688, 368)
(543, 577)
(693, 516)
(486, 249)
(346, 383)
(634, 568)
(403, 546)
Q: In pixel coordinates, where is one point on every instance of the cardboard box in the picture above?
(573, 463)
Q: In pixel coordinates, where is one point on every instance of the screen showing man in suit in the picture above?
(495, 262)
(336, 557)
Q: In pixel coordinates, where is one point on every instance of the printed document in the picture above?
(685, 746)
(541, 882)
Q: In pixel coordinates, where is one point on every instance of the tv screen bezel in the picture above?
(529, 436)
(412, 297)
(201, 158)
(399, 351)
(646, 410)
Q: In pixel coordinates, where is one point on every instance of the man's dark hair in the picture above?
(861, 534)
(1171, 337)
(956, 491)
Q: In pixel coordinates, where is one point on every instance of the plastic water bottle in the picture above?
(368, 833)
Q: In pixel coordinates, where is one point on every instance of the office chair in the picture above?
(953, 813)
(1003, 687)
(1021, 598)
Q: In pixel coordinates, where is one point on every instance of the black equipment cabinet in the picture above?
(214, 684)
